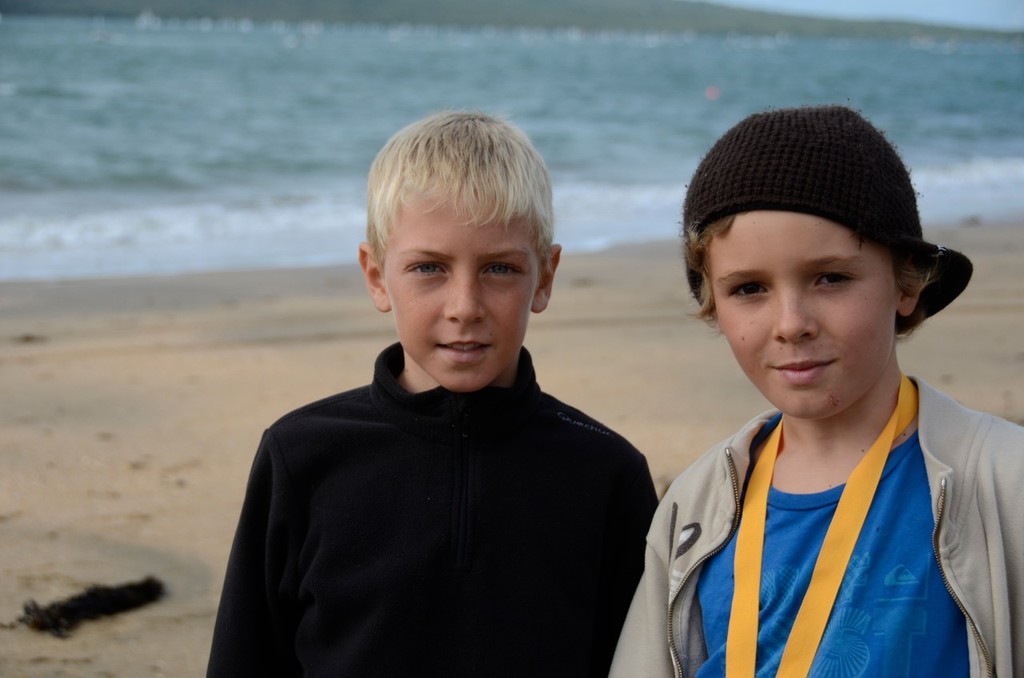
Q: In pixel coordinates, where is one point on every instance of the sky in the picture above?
(997, 14)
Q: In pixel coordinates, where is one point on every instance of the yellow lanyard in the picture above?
(741, 644)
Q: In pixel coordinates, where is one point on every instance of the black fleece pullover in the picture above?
(383, 533)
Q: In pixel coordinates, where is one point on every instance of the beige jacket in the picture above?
(975, 464)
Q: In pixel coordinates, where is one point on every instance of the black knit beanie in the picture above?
(822, 160)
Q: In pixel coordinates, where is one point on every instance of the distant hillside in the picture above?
(628, 15)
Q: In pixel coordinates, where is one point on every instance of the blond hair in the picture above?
(482, 165)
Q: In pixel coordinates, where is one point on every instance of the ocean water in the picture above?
(158, 147)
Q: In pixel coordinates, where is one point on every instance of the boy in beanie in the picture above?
(869, 525)
(450, 519)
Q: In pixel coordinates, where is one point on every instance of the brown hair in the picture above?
(912, 275)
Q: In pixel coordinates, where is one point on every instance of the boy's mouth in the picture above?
(463, 346)
(803, 372)
(464, 353)
(802, 365)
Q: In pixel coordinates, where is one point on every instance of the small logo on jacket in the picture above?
(688, 536)
(582, 424)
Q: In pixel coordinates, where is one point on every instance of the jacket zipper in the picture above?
(673, 651)
(462, 482)
(945, 580)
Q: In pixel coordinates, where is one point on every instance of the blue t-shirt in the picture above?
(892, 616)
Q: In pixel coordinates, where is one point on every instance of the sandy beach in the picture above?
(132, 409)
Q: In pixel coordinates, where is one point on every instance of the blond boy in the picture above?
(449, 519)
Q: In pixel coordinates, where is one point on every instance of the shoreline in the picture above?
(951, 229)
(133, 407)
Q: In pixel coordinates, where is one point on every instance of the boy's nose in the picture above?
(795, 320)
(463, 303)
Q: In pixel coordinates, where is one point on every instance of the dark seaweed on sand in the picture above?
(61, 616)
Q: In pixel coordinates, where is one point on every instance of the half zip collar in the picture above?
(495, 411)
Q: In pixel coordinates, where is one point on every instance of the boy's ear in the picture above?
(907, 303)
(373, 274)
(542, 295)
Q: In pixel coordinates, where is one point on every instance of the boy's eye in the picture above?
(425, 268)
(834, 278)
(746, 289)
(502, 269)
